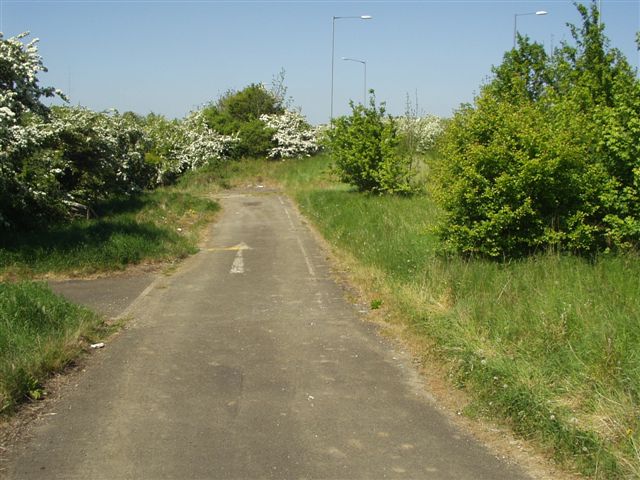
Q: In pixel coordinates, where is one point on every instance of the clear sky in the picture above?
(170, 57)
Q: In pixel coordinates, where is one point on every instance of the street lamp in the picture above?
(515, 22)
(333, 45)
(364, 98)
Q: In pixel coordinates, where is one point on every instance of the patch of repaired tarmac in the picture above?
(109, 296)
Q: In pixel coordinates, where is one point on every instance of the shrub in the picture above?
(419, 133)
(22, 126)
(292, 135)
(547, 156)
(364, 148)
(238, 113)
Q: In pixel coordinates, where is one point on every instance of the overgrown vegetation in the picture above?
(547, 156)
(542, 165)
(39, 334)
(548, 344)
(364, 146)
(239, 113)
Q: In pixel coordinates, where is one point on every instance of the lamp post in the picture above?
(364, 98)
(333, 45)
(515, 22)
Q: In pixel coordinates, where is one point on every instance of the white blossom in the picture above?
(423, 131)
(293, 136)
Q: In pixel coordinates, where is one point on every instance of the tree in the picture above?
(548, 156)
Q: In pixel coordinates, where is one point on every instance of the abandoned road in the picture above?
(248, 362)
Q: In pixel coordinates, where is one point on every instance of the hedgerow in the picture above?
(56, 162)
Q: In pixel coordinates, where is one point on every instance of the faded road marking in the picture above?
(289, 217)
(306, 257)
(238, 263)
(240, 246)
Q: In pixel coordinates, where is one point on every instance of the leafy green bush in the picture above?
(547, 156)
(239, 113)
(364, 147)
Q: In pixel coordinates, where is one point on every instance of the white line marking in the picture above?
(290, 219)
(238, 263)
(306, 257)
(286, 211)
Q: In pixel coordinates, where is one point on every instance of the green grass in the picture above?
(550, 344)
(153, 226)
(39, 333)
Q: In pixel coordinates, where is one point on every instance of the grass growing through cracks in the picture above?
(550, 343)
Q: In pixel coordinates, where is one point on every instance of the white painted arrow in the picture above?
(238, 262)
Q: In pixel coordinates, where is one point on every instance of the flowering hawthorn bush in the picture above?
(179, 146)
(293, 136)
(202, 144)
(21, 123)
(420, 132)
(56, 159)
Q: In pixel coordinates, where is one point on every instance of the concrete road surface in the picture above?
(249, 363)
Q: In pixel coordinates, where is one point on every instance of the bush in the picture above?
(364, 147)
(419, 134)
(22, 127)
(292, 135)
(238, 113)
(547, 156)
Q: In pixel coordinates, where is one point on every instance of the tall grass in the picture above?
(550, 343)
(39, 333)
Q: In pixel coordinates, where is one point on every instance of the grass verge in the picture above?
(549, 344)
(40, 333)
(160, 225)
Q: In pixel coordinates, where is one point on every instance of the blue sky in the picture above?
(169, 57)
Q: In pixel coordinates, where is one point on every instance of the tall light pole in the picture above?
(599, 12)
(364, 97)
(515, 22)
(333, 48)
